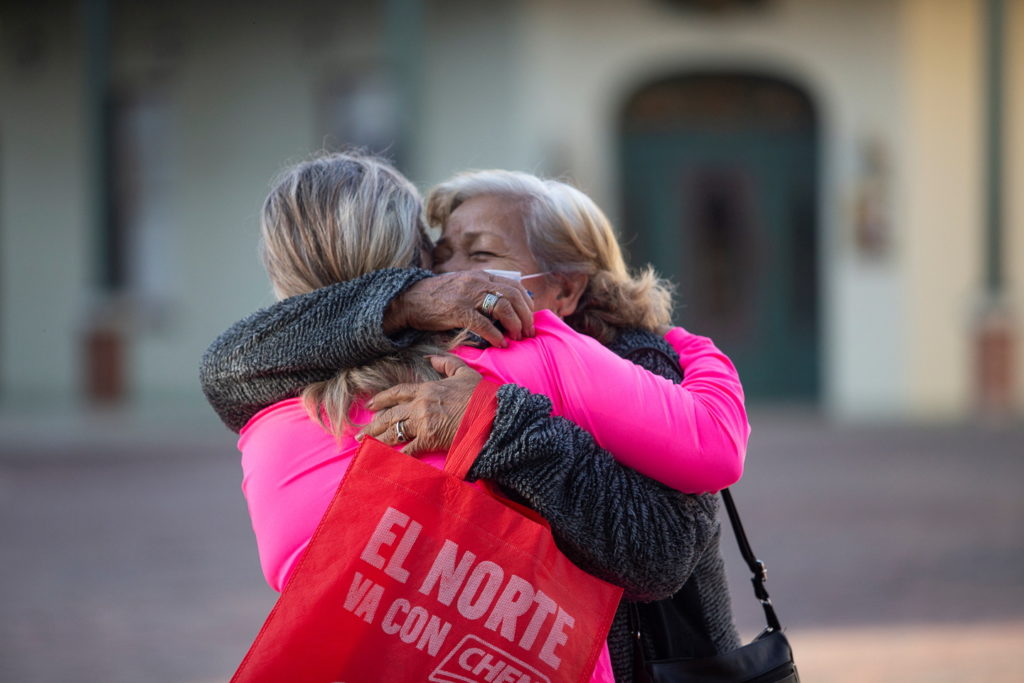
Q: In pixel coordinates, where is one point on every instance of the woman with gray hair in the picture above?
(552, 227)
(649, 539)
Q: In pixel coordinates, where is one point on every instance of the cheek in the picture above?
(524, 261)
(446, 267)
(452, 263)
(544, 294)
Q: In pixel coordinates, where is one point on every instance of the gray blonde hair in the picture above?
(568, 233)
(331, 219)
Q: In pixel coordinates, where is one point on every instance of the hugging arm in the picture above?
(273, 353)
(689, 433)
(276, 351)
(610, 520)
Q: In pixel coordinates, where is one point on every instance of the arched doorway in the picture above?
(720, 177)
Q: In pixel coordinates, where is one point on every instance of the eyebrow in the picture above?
(468, 236)
(477, 234)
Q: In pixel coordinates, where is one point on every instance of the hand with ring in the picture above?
(471, 299)
(425, 415)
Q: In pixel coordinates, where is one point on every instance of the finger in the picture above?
(396, 395)
(454, 367)
(390, 433)
(482, 326)
(447, 364)
(504, 313)
(467, 373)
(522, 304)
(379, 425)
(415, 446)
(504, 282)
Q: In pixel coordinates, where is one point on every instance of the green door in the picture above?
(723, 202)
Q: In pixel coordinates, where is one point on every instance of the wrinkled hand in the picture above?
(430, 412)
(452, 301)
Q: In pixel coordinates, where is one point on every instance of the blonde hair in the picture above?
(332, 219)
(568, 233)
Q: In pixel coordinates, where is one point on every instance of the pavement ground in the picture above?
(895, 553)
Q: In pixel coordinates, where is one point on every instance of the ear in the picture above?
(570, 289)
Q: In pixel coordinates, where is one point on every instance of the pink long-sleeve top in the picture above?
(691, 436)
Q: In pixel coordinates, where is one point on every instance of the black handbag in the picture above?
(768, 659)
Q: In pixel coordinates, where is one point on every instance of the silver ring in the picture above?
(489, 302)
(400, 431)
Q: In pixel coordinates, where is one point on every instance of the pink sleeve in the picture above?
(690, 436)
(291, 468)
(715, 386)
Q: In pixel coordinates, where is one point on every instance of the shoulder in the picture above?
(649, 351)
(553, 338)
(282, 442)
(281, 420)
(532, 362)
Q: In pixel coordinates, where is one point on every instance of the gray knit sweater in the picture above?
(613, 522)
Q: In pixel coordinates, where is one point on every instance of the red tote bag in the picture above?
(416, 575)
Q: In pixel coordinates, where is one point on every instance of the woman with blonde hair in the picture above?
(333, 348)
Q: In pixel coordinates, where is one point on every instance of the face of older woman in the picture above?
(487, 232)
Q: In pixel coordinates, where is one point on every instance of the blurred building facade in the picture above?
(824, 179)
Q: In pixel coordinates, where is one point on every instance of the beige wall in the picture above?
(46, 246)
(942, 208)
(1014, 192)
(242, 108)
(241, 105)
(537, 86)
(472, 93)
(583, 59)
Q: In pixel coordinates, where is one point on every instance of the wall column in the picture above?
(995, 376)
(405, 54)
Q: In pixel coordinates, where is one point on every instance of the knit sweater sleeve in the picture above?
(272, 354)
(610, 520)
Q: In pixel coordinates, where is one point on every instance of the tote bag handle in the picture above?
(471, 437)
(474, 429)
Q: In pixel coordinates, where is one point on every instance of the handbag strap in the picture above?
(757, 567)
